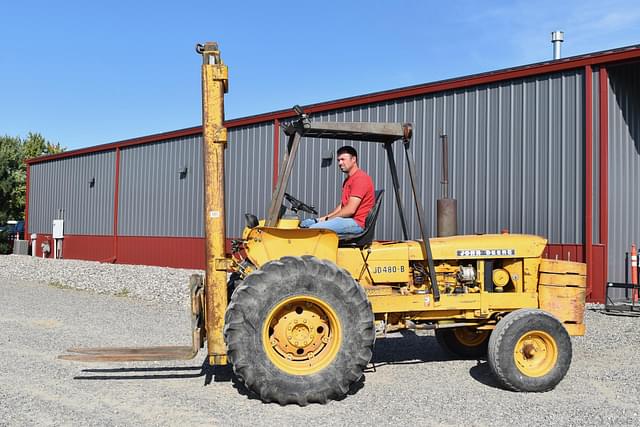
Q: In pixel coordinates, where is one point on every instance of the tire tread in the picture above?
(334, 381)
(499, 359)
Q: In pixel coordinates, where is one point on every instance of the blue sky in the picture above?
(90, 72)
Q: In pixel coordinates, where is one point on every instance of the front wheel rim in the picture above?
(301, 335)
(536, 353)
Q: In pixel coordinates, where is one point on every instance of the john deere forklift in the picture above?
(299, 318)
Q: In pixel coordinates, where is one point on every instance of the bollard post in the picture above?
(626, 274)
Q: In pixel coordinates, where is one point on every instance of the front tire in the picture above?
(529, 350)
(299, 330)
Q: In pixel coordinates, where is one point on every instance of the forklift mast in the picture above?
(208, 302)
(214, 86)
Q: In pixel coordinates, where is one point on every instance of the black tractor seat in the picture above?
(366, 237)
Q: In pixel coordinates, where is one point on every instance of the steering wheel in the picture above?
(297, 205)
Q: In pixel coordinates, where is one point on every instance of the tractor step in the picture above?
(137, 354)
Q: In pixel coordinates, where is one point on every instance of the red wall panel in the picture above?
(575, 252)
(568, 252)
(91, 248)
(179, 252)
(599, 274)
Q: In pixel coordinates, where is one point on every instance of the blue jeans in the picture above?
(339, 225)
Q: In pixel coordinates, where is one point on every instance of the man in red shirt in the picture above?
(356, 202)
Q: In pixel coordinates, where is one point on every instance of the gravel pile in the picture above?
(169, 285)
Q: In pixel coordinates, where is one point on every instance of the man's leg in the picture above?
(340, 225)
(306, 223)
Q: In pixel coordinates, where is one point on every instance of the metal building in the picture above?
(551, 149)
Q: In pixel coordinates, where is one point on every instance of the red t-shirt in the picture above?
(359, 185)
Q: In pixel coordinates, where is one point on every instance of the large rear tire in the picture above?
(299, 330)
(529, 350)
(465, 342)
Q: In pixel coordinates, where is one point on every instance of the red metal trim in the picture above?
(276, 149)
(605, 57)
(588, 172)
(115, 205)
(196, 130)
(603, 117)
(26, 204)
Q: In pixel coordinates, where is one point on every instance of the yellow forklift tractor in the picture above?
(307, 305)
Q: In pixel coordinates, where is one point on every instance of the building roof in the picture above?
(607, 57)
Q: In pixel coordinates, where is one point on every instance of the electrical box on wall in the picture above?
(58, 229)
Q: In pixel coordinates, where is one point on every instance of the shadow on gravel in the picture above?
(618, 313)
(407, 350)
(482, 373)
(210, 373)
(415, 349)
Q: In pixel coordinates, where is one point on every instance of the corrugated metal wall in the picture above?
(65, 185)
(624, 165)
(249, 174)
(516, 157)
(516, 162)
(155, 198)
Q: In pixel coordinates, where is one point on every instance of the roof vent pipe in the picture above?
(557, 37)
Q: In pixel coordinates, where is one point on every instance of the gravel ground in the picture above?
(413, 382)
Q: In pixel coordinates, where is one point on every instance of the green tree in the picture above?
(9, 171)
(14, 151)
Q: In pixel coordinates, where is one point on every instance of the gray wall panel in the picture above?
(624, 164)
(249, 174)
(64, 185)
(516, 157)
(155, 200)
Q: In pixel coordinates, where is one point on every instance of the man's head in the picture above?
(347, 159)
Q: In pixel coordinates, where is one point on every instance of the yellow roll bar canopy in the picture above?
(384, 133)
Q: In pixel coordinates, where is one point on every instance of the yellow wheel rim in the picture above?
(536, 353)
(301, 335)
(470, 337)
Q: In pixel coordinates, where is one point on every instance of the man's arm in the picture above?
(347, 211)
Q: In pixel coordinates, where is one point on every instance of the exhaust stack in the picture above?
(557, 37)
(446, 208)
